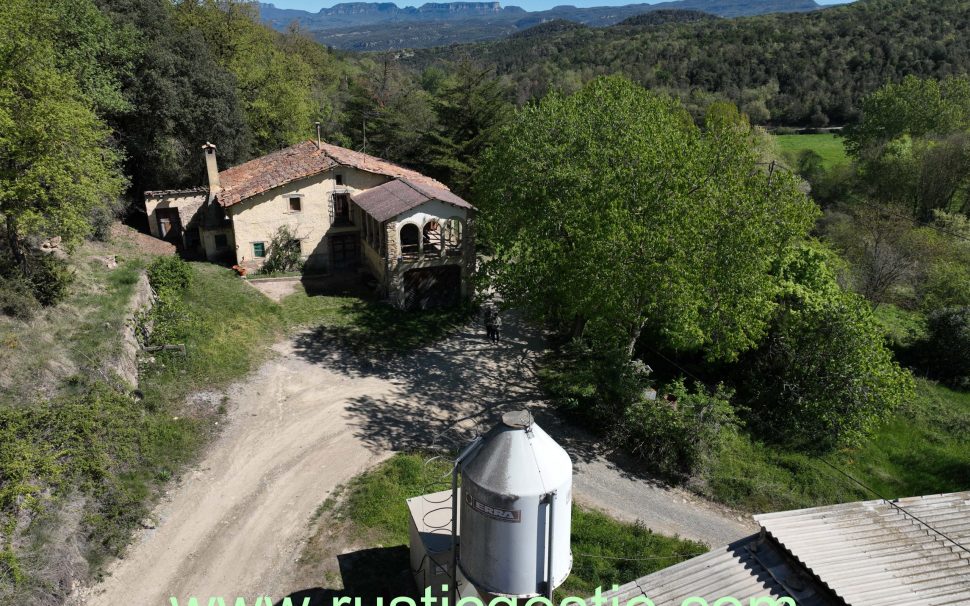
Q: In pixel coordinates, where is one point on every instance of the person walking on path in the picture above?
(496, 326)
(489, 314)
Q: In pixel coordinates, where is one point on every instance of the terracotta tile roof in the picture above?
(300, 161)
(395, 197)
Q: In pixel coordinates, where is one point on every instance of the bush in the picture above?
(947, 349)
(50, 278)
(823, 378)
(946, 284)
(675, 433)
(284, 252)
(592, 389)
(16, 298)
(169, 274)
(608, 394)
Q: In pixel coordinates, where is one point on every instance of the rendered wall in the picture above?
(258, 219)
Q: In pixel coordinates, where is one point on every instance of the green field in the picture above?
(829, 146)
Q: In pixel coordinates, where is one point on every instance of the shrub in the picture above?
(50, 278)
(284, 252)
(102, 218)
(947, 349)
(675, 433)
(592, 389)
(16, 298)
(946, 284)
(823, 377)
(169, 274)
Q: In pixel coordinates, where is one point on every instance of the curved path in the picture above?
(312, 418)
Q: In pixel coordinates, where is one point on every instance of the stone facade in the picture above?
(236, 220)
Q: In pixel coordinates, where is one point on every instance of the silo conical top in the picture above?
(518, 419)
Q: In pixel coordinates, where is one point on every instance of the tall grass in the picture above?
(923, 449)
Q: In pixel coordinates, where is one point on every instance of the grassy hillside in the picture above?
(924, 449)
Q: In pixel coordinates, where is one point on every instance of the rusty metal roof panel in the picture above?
(874, 552)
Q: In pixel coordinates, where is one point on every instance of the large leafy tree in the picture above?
(179, 97)
(913, 145)
(823, 377)
(56, 166)
(611, 207)
(273, 86)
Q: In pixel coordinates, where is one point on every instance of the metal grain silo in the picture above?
(516, 497)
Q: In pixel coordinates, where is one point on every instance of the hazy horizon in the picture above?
(529, 5)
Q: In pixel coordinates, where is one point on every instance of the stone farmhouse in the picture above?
(348, 210)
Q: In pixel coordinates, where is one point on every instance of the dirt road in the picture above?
(315, 416)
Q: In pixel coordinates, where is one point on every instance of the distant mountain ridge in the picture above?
(385, 25)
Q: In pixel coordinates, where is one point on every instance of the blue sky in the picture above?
(531, 5)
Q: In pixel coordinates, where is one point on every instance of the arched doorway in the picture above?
(410, 239)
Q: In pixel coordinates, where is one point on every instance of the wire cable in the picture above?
(892, 504)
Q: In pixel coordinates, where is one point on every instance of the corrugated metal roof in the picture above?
(748, 568)
(395, 197)
(871, 552)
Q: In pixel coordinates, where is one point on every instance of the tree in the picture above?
(611, 207)
(388, 114)
(913, 144)
(273, 86)
(470, 104)
(884, 248)
(823, 377)
(180, 97)
(55, 162)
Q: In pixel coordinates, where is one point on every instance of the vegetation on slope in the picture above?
(805, 69)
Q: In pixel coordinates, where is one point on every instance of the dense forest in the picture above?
(809, 69)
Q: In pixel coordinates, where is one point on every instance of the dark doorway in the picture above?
(344, 251)
(170, 226)
(432, 287)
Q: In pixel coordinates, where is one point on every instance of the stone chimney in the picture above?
(211, 169)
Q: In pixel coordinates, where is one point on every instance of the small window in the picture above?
(259, 249)
(222, 241)
(296, 204)
(339, 179)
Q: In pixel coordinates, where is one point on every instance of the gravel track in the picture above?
(313, 417)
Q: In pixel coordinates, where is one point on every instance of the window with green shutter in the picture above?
(259, 249)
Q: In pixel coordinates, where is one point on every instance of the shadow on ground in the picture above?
(368, 574)
(447, 392)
